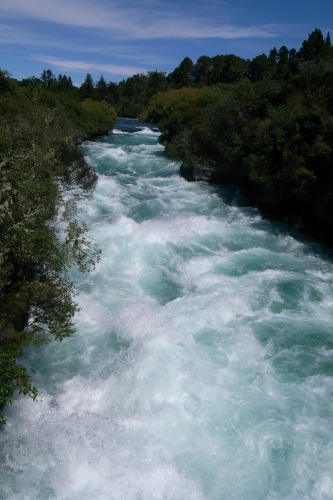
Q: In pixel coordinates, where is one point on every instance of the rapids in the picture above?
(202, 366)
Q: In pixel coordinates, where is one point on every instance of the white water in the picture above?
(202, 367)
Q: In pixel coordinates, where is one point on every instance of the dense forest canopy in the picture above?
(265, 124)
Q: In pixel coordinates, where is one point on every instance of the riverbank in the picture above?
(315, 219)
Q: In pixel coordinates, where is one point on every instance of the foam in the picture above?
(117, 131)
(148, 131)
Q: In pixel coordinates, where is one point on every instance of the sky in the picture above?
(120, 38)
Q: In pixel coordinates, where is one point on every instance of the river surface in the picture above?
(203, 362)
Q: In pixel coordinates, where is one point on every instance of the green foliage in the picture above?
(135, 92)
(173, 109)
(98, 116)
(87, 88)
(7, 85)
(13, 377)
(314, 47)
(101, 89)
(271, 132)
(260, 67)
(42, 176)
(183, 75)
(48, 79)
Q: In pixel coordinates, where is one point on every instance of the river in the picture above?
(203, 361)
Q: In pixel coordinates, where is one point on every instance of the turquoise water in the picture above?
(202, 366)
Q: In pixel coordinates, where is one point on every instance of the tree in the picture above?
(260, 67)
(113, 94)
(87, 88)
(101, 89)
(6, 83)
(314, 47)
(64, 83)
(173, 108)
(41, 238)
(182, 76)
(156, 82)
(98, 117)
(48, 79)
(235, 68)
(282, 66)
(283, 56)
(203, 70)
(273, 55)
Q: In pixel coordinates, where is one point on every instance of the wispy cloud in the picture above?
(84, 66)
(10, 35)
(145, 21)
(13, 35)
(123, 37)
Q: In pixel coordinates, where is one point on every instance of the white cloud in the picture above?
(145, 21)
(84, 66)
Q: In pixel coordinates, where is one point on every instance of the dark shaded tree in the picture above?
(260, 67)
(183, 75)
(64, 83)
(203, 71)
(101, 89)
(87, 88)
(48, 79)
(314, 47)
(42, 176)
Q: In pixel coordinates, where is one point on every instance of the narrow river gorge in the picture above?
(202, 366)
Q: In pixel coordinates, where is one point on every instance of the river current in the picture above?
(202, 367)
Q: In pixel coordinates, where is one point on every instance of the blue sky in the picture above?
(119, 38)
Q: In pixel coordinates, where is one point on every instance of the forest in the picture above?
(264, 124)
(43, 177)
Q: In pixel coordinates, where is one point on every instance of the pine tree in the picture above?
(314, 47)
(101, 89)
(87, 88)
